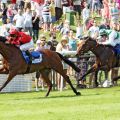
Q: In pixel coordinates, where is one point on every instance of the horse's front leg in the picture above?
(45, 77)
(9, 78)
(95, 83)
(92, 69)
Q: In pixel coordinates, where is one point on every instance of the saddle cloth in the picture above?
(117, 49)
(36, 57)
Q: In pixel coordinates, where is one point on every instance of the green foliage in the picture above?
(94, 104)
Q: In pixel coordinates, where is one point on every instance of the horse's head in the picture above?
(85, 44)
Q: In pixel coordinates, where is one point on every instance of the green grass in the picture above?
(94, 104)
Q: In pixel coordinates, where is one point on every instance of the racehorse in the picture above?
(16, 64)
(106, 57)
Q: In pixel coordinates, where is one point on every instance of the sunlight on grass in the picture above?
(94, 104)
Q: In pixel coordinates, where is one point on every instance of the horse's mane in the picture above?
(88, 38)
(3, 39)
(108, 46)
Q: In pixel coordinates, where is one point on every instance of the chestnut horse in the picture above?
(105, 56)
(16, 64)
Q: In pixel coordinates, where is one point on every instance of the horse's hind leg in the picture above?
(68, 81)
(45, 77)
(95, 80)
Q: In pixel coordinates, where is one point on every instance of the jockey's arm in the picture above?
(111, 41)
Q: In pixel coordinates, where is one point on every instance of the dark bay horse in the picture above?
(105, 56)
(16, 64)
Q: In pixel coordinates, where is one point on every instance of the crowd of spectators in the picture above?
(39, 18)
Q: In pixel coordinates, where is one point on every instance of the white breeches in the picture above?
(27, 46)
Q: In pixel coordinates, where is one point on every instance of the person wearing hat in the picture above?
(62, 47)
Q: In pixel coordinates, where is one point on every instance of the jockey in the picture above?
(113, 37)
(21, 40)
(103, 35)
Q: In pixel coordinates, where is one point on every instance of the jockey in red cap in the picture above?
(20, 39)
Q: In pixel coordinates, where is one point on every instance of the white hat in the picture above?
(64, 38)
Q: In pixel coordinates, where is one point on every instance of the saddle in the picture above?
(32, 57)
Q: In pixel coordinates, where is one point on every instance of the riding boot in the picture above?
(29, 55)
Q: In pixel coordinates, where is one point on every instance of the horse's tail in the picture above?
(69, 62)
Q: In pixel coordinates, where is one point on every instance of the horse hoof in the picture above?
(78, 93)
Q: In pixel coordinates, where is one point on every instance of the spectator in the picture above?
(35, 24)
(58, 9)
(52, 43)
(72, 41)
(38, 8)
(10, 13)
(104, 24)
(65, 5)
(3, 31)
(27, 4)
(41, 43)
(95, 7)
(105, 11)
(46, 15)
(4, 13)
(118, 3)
(83, 66)
(28, 21)
(21, 4)
(62, 46)
(52, 14)
(114, 12)
(9, 26)
(94, 30)
(19, 20)
(4, 2)
(79, 30)
(85, 15)
(77, 7)
(66, 28)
